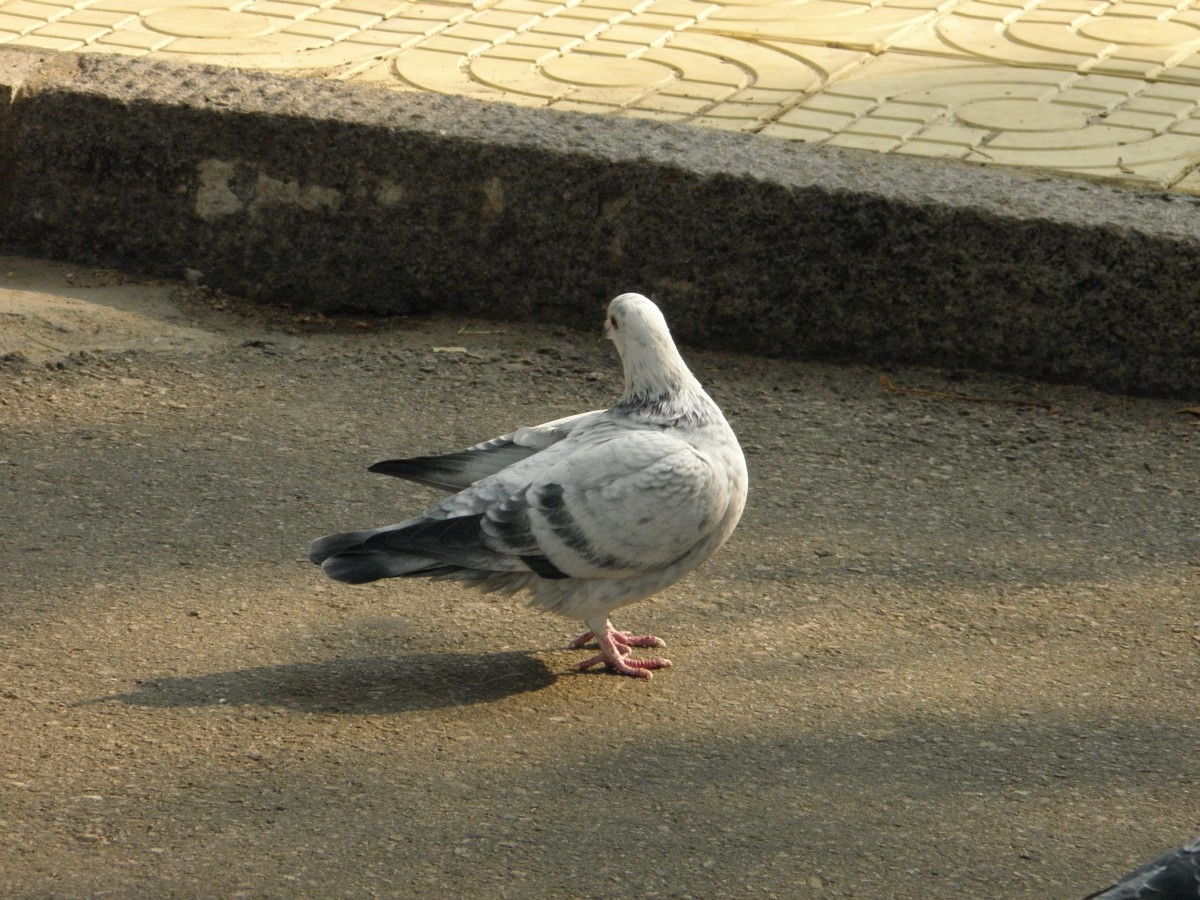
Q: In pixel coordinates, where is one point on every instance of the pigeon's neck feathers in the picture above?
(653, 368)
(655, 373)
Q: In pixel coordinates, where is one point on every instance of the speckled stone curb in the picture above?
(327, 195)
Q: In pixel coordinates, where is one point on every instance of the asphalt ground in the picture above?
(951, 651)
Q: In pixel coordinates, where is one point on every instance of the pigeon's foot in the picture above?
(626, 640)
(614, 651)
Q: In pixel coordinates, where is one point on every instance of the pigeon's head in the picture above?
(652, 364)
(634, 321)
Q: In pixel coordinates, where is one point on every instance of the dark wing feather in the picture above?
(458, 471)
(454, 471)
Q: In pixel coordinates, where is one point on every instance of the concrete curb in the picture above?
(328, 196)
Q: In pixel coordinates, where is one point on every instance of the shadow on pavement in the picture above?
(371, 685)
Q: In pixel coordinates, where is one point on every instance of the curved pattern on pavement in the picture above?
(1103, 88)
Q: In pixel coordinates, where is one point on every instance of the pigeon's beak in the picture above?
(610, 327)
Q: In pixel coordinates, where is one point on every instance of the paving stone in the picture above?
(134, 40)
(74, 31)
(860, 26)
(16, 25)
(37, 41)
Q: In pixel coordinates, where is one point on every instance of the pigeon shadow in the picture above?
(370, 685)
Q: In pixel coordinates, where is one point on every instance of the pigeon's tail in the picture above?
(344, 557)
(361, 565)
(421, 548)
(331, 545)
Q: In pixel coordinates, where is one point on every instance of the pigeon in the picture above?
(1173, 876)
(587, 513)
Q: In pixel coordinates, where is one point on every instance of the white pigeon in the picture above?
(588, 513)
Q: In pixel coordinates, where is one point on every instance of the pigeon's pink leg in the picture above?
(627, 640)
(614, 651)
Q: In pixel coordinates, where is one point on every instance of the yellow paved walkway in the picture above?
(1084, 86)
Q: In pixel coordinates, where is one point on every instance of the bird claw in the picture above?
(619, 637)
(614, 651)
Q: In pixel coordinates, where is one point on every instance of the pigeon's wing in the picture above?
(621, 503)
(457, 471)
(631, 505)
(1173, 876)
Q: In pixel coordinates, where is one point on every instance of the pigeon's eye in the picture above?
(612, 320)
